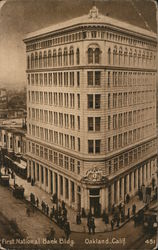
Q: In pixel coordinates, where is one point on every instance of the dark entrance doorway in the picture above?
(95, 206)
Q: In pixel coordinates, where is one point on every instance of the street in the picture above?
(34, 230)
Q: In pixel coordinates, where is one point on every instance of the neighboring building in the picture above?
(3, 103)
(91, 109)
(13, 149)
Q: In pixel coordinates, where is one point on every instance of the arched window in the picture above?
(65, 57)
(28, 62)
(97, 55)
(90, 55)
(49, 58)
(40, 60)
(139, 57)
(130, 57)
(71, 56)
(147, 58)
(36, 60)
(54, 58)
(45, 59)
(59, 57)
(143, 58)
(125, 56)
(120, 56)
(77, 56)
(114, 56)
(109, 56)
(32, 61)
(134, 57)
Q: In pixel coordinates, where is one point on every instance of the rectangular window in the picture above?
(90, 146)
(79, 144)
(78, 79)
(78, 100)
(97, 78)
(90, 123)
(97, 101)
(90, 78)
(90, 101)
(97, 123)
(97, 146)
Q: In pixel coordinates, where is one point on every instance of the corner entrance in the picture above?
(95, 207)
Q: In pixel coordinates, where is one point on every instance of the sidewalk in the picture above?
(100, 225)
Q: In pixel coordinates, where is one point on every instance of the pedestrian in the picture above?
(128, 215)
(47, 209)
(93, 225)
(42, 205)
(37, 202)
(112, 224)
(78, 218)
(134, 209)
(118, 221)
(67, 230)
(28, 211)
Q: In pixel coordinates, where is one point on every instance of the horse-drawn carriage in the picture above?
(18, 191)
(4, 180)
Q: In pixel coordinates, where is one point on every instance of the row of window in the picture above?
(65, 79)
(127, 138)
(57, 40)
(129, 40)
(129, 157)
(53, 59)
(55, 137)
(90, 35)
(54, 157)
(69, 121)
(131, 58)
(130, 79)
(114, 78)
(129, 118)
(124, 99)
(57, 99)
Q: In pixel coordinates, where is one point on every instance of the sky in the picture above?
(18, 17)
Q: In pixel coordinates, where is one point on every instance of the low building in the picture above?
(13, 149)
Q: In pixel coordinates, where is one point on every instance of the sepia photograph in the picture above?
(78, 125)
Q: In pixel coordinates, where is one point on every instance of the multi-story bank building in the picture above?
(91, 85)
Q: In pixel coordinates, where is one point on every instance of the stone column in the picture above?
(49, 181)
(127, 184)
(58, 176)
(136, 188)
(64, 189)
(32, 172)
(102, 199)
(54, 183)
(70, 192)
(148, 173)
(144, 174)
(44, 177)
(8, 141)
(132, 183)
(40, 176)
(118, 192)
(112, 193)
(140, 176)
(106, 198)
(122, 188)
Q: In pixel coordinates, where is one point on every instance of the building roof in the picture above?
(92, 18)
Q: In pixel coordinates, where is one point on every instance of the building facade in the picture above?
(3, 103)
(91, 89)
